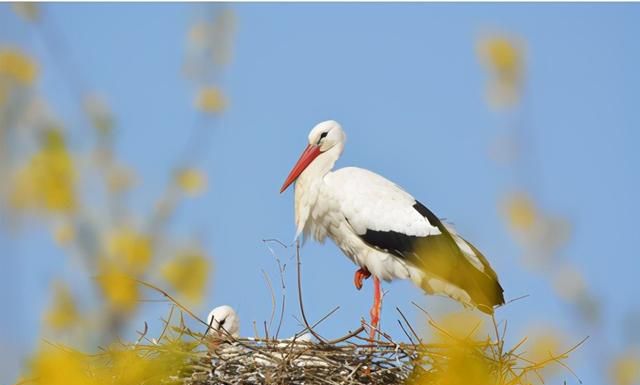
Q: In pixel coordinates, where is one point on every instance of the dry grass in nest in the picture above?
(355, 361)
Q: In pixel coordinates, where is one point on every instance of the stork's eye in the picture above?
(322, 136)
(221, 323)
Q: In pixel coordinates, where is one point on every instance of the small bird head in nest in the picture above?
(223, 322)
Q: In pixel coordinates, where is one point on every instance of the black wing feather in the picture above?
(441, 256)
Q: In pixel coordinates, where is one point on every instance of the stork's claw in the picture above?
(361, 275)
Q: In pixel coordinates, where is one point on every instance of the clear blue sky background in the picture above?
(406, 83)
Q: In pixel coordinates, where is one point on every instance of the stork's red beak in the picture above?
(309, 154)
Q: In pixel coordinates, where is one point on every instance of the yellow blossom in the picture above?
(520, 211)
(462, 365)
(187, 274)
(123, 366)
(503, 57)
(16, 66)
(542, 345)
(210, 100)
(63, 312)
(625, 369)
(120, 179)
(130, 248)
(569, 282)
(63, 234)
(99, 113)
(55, 366)
(462, 325)
(221, 34)
(115, 365)
(501, 54)
(47, 180)
(119, 289)
(192, 181)
(27, 10)
(4, 94)
(198, 33)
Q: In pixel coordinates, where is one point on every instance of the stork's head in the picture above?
(221, 319)
(323, 137)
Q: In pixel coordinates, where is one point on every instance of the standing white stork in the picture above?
(383, 229)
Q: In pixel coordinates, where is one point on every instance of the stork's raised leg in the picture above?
(375, 309)
(361, 275)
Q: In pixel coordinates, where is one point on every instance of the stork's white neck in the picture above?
(322, 164)
(310, 182)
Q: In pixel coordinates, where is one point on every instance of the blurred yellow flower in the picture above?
(462, 366)
(132, 368)
(63, 234)
(120, 179)
(192, 181)
(47, 180)
(198, 33)
(542, 344)
(99, 113)
(462, 325)
(4, 93)
(16, 66)
(55, 366)
(27, 10)
(187, 274)
(503, 57)
(221, 35)
(520, 211)
(115, 365)
(625, 369)
(120, 290)
(501, 54)
(125, 366)
(63, 312)
(210, 100)
(130, 248)
(569, 282)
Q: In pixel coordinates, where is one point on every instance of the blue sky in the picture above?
(406, 84)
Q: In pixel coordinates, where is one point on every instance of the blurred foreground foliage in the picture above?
(541, 234)
(70, 178)
(462, 349)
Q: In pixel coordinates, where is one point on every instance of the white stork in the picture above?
(383, 229)
(223, 321)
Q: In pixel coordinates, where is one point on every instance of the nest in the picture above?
(259, 361)
(352, 362)
(348, 360)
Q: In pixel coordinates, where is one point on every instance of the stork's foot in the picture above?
(360, 276)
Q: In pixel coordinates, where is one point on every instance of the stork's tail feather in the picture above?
(490, 297)
(474, 289)
(480, 280)
(467, 277)
(482, 286)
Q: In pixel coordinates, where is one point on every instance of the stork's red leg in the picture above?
(375, 309)
(361, 274)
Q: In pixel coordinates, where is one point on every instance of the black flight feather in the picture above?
(440, 255)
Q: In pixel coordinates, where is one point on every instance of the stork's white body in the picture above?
(370, 202)
(345, 193)
(371, 220)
